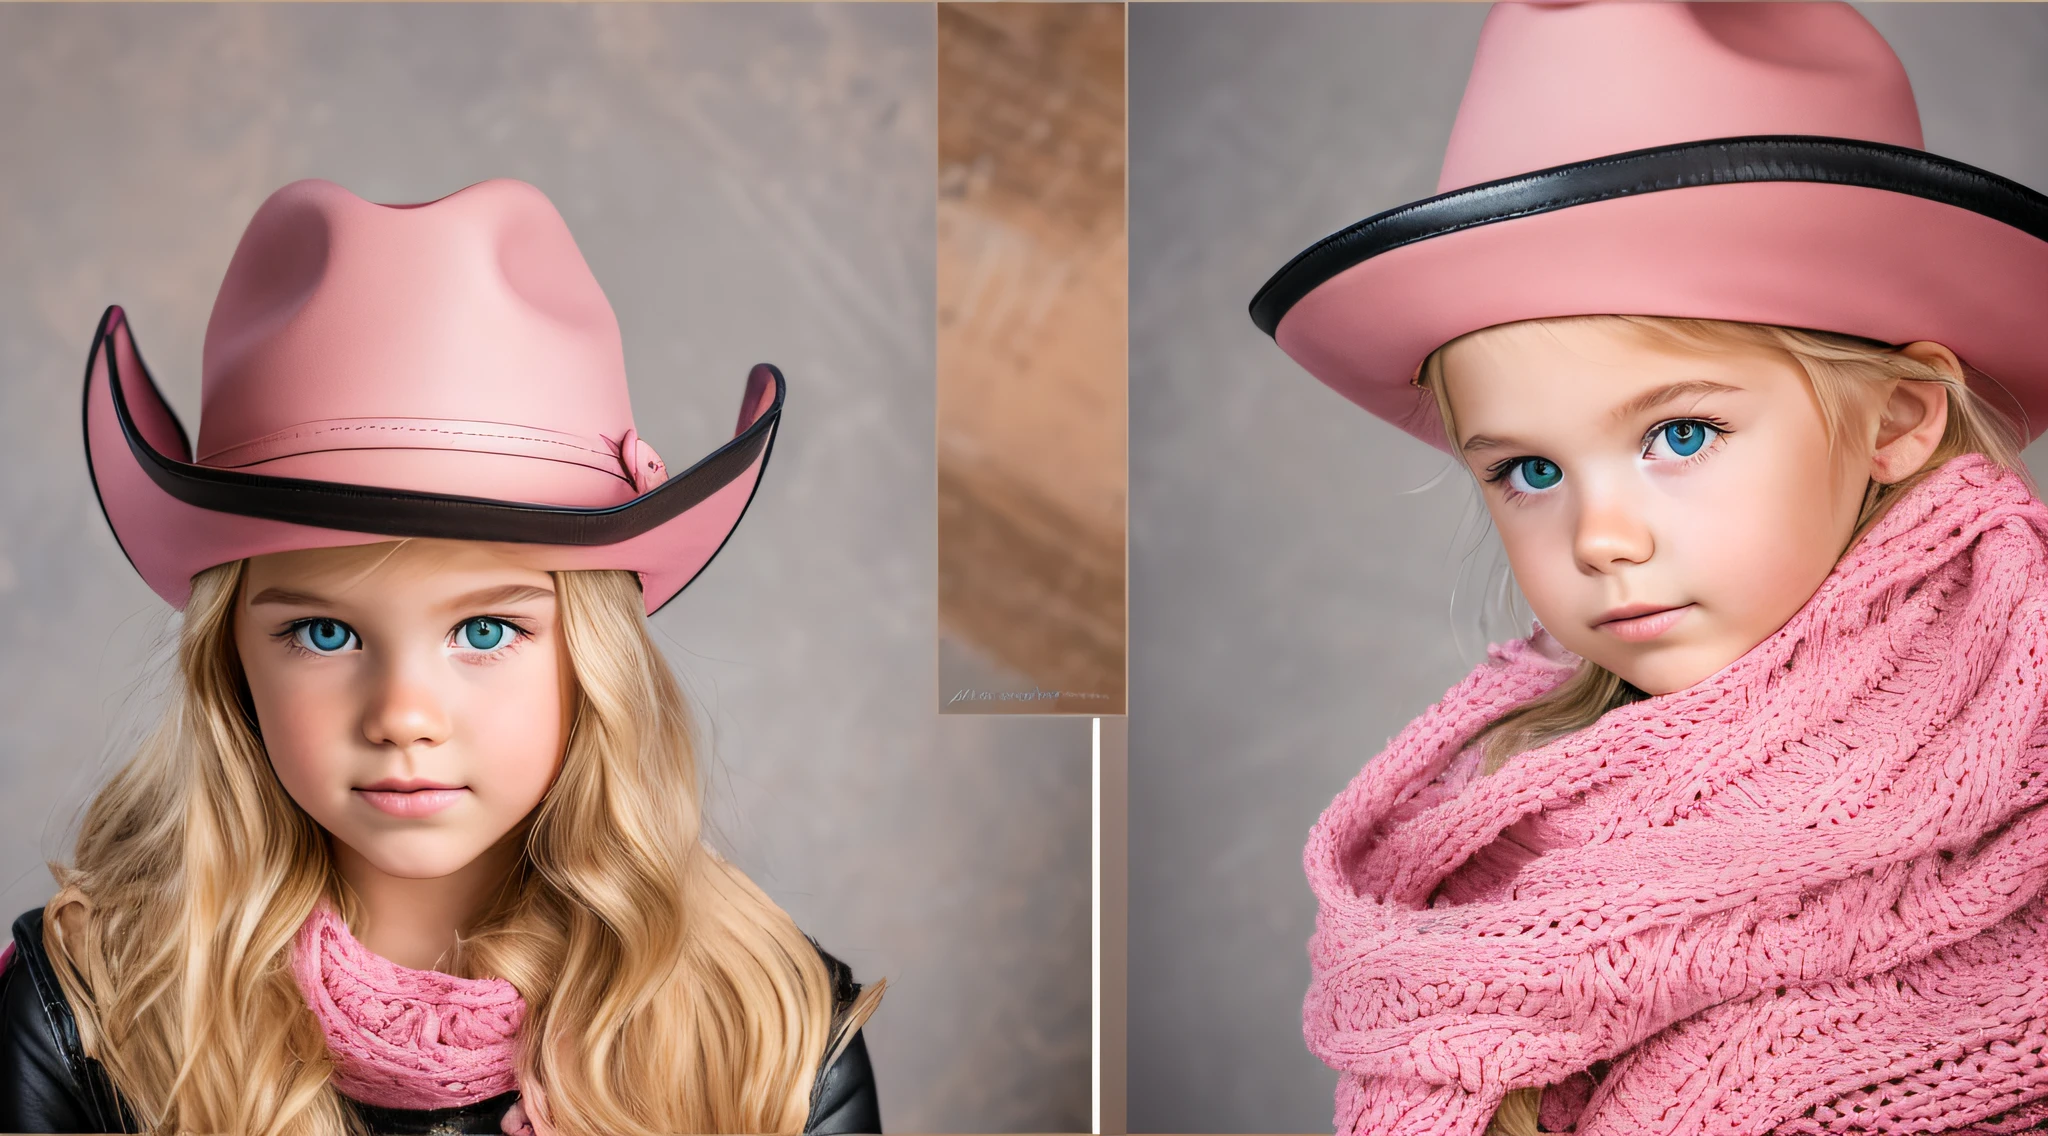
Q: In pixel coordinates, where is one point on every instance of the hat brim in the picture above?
(1827, 234)
(174, 518)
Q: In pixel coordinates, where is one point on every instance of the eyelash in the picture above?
(1497, 472)
(290, 637)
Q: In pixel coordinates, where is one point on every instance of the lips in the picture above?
(410, 799)
(1642, 622)
(1632, 611)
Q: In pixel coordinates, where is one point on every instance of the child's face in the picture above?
(1718, 501)
(414, 702)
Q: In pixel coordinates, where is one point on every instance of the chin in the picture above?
(1654, 687)
(416, 859)
(1667, 675)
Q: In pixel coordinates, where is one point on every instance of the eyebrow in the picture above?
(1648, 400)
(486, 597)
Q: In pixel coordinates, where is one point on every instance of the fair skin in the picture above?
(415, 700)
(1716, 502)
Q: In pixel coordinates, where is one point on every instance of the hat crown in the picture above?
(1554, 84)
(475, 307)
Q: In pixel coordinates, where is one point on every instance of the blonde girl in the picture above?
(1748, 835)
(417, 846)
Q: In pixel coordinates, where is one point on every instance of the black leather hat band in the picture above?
(403, 513)
(1721, 161)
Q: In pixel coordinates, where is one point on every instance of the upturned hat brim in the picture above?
(174, 518)
(1831, 234)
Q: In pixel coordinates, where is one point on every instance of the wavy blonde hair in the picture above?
(665, 991)
(1840, 370)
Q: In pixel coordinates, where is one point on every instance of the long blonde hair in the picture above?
(665, 992)
(1839, 370)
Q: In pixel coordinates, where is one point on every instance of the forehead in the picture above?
(1578, 375)
(413, 566)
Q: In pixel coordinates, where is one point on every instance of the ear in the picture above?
(1914, 415)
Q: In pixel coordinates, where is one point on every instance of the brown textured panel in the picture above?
(1032, 301)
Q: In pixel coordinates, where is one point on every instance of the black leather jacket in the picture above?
(48, 1084)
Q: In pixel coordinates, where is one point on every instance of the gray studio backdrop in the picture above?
(749, 183)
(1290, 604)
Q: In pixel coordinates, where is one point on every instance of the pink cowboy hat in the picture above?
(1734, 161)
(372, 372)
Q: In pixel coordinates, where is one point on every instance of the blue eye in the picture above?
(1535, 475)
(483, 634)
(324, 636)
(1684, 437)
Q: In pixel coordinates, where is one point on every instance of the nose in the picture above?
(1611, 527)
(404, 708)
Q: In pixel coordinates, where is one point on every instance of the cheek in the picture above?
(512, 727)
(1539, 550)
(305, 718)
(1758, 538)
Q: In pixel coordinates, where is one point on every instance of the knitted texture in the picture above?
(1802, 895)
(405, 1038)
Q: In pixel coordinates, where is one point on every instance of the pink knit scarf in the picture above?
(1805, 894)
(405, 1038)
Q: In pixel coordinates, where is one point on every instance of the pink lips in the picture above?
(411, 799)
(1643, 628)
